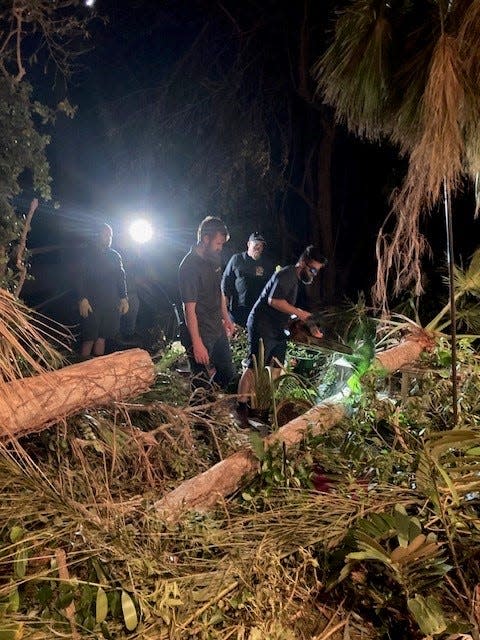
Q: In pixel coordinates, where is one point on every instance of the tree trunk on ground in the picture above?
(223, 479)
(32, 404)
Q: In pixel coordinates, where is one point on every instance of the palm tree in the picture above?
(407, 72)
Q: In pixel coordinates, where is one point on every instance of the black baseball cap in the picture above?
(256, 237)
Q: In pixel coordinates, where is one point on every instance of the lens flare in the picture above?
(141, 231)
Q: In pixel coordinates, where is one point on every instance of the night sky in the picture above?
(153, 134)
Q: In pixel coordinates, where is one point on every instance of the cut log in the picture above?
(405, 353)
(32, 404)
(223, 479)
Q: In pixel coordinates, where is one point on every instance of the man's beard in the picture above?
(213, 256)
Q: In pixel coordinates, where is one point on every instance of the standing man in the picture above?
(102, 294)
(244, 278)
(207, 323)
(270, 315)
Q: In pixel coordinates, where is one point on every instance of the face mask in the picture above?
(306, 277)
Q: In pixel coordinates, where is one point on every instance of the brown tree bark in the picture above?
(32, 404)
(223, 479)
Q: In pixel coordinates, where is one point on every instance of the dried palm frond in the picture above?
(468, 37)
(354, 73)
(420, 63)
(26, 340)
(437, 158)
(435, 162)
(399, 257)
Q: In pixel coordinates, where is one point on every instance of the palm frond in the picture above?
(354, 72)
(468, 37)
(417, 562)
(26, 340)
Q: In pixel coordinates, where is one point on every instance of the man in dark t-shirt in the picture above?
(270, 315)
(207, 323)
(244, 278)
(102, 294)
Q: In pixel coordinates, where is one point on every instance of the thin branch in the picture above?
(22, 247)
(18, 15)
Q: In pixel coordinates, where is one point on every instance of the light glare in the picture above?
(141, 231)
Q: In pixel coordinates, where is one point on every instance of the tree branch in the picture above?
(20, 262)
(18, 15)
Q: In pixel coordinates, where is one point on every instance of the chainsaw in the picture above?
(308, 334)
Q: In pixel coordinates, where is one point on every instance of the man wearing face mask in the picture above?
(207, 323)
(244, 278)
(270, 315)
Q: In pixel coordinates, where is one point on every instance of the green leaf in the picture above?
(474, 451)
(16, 534)
(115, 603)
(12, 632)
(14, 600)
(370, 554)
(89, 622)
(428, 614)
(129, 612)
(105, 631)
(258, 446)
(20, 562)
(44, 594)
(101, 606)
(65, 599)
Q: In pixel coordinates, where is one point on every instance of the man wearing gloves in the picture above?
(102, 294)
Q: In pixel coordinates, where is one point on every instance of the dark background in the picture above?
(192, 108)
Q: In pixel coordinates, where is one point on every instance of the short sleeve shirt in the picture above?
(199, 282)
(283, 285)
(244, 279)
(102, 278)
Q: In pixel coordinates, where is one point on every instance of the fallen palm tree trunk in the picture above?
(223, 479)
(31, 404)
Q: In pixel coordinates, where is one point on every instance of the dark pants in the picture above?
(220, 371)
(274, 344)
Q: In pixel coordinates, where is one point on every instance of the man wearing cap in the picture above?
(244, 278)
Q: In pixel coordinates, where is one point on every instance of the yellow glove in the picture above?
(84, 308)
(123, 306)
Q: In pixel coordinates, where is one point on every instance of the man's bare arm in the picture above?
(200, 352)
(285, 307)
(227, 322)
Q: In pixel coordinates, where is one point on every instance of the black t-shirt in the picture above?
(243, 281)
(283, 285)
(199, 282)
(101, 277)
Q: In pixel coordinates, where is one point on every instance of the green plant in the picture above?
(263, 388)
(391, 546)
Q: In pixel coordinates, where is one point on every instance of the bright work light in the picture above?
(141, 231)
